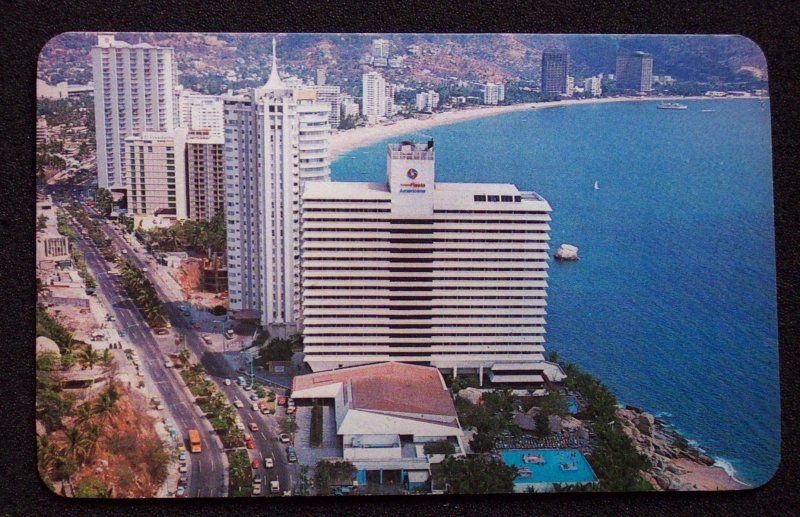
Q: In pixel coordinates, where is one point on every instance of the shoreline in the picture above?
(351, 139)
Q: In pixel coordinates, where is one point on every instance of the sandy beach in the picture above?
(344, 141)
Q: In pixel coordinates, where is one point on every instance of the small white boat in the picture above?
(672, 106)
(707, 111)
(596, 186)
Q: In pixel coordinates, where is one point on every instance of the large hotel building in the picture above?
(451, 275)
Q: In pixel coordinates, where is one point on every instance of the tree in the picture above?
(330, 472)
(92, 487)
(103, 202)
(183, 356)
(278, 350)
(554, 403)
(46, 455)
(542, 424)
(106, 404)
(439, 447)
(76, 445)
(477, 474)
(88, 357)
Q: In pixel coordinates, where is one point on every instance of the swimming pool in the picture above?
(572, 405)
(547, 467)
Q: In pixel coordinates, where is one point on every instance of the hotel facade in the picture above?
(451, 275)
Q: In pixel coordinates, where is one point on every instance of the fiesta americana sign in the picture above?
(412, 186)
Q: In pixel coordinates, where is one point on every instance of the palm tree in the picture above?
(46, 455)
(183, 356)
(84, 414)
(76, 445)
(105, 405)
(88, 357)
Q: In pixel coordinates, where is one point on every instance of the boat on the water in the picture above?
(596, 186)
(672, 106)
(707, 111)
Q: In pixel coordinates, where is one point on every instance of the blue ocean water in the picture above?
(673, 302)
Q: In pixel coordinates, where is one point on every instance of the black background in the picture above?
(27, 26)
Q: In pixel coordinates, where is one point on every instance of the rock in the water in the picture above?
(567, 252)
(705, 459)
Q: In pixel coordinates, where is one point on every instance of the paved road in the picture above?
(207, 472)
(218, 369)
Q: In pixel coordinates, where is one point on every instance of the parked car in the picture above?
(207, 339)
(227, 382)
(168, 364)
(182, 456)
(254, 406)
(240, 426)
(289, 402)
(182, 469)
(284, 438)
(247, 387)
(254, 397)
(238, 403)
(281, 401)
(268, 463)
(249, 442)
(253, 427)
(180, 492)
(257, 479)
(290, 410)
(121, 333)
(257, 489)
(265, 410)
(274, 487)
(256, 464)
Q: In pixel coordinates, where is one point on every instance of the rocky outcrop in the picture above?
(674, 463)
(471, 395)
(567, 252)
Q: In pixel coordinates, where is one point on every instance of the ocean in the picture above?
(673, 303)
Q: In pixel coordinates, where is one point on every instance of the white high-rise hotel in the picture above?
(133, 93)
(276, 139)
(452, 275)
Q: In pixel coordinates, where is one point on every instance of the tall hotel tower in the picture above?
(452, 275)
(555, 67)
(133, 93)
(276, 140)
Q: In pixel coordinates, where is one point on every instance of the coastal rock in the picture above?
(644, 423)
(705, 459)
(675, 470)
(567, 252)
(662, 481)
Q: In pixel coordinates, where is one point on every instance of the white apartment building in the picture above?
(276, 138)
(491, 93)
(199, 112)
(133, 93)
(349, 108)
(331, 95)
(321, 76)
(373, 96)
(427, 101)
(593, 86)
(156, 173)
(451, 275)
(570, 86)
(380, 52)
(390, 106)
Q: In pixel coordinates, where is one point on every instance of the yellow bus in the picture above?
(194, 441)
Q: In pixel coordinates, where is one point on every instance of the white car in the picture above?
(227, 382)
(254, 407)
(168, 364)
(240, 426)
(182, 469)
(257, 489)
(274, 487)
(268, 463)
(238, 403)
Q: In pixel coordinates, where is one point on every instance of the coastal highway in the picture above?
(206, 476)
(266, 439)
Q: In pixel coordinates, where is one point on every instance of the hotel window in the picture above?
(507, 199)
(480, 197)
(494, 198)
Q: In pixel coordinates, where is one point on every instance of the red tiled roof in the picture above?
(394, 387)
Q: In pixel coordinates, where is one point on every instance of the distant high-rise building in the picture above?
(380, 52)
(332, 96)
(634, 71)
(570, 85)
(491, 93)
(155, 172)
(322, 76)
(276, 140)
(555, 67)
(390, 91)
(133, 93)
(501, 92)
(373, 96)
(593, 86)
(205, 174)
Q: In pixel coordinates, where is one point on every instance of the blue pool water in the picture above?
(572, 405)
(673, 302)
(578, 470)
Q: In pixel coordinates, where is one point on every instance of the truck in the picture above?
(194, 441)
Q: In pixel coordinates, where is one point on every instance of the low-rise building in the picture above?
(385, 415)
